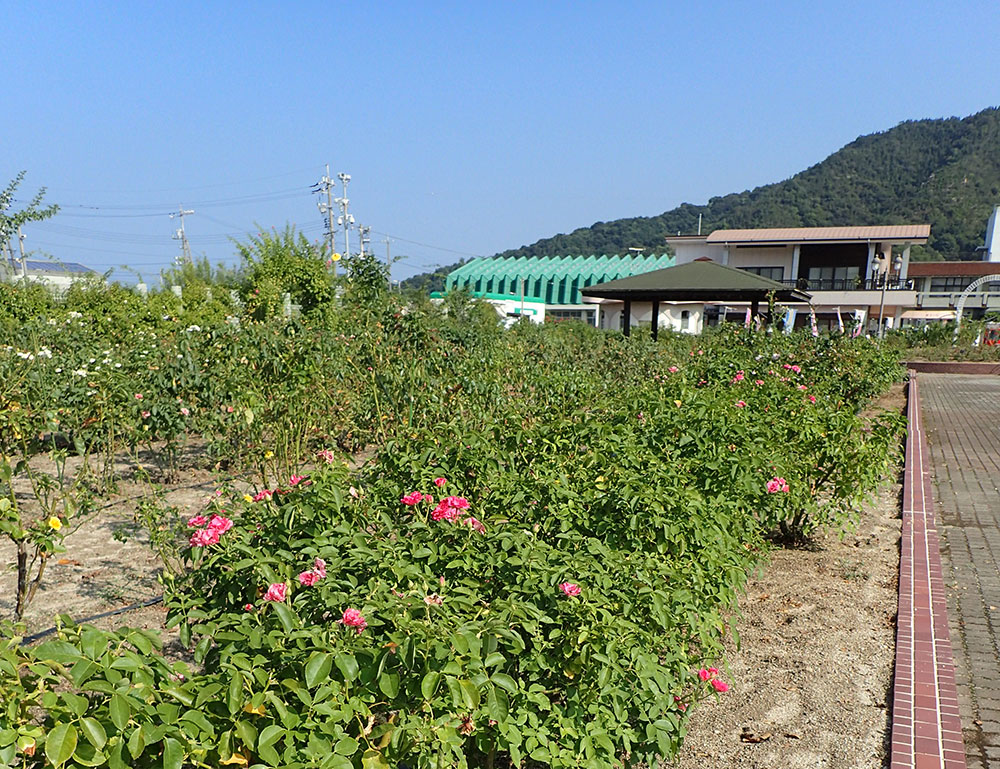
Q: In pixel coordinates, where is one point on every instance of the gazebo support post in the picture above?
(654, 325)
(627, 322)
(754, 308)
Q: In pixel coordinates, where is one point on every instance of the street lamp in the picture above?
(880, 266)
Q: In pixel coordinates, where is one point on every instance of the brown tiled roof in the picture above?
(952, 269)
(914, 233)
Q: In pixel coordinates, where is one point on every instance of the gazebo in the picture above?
(698, 281)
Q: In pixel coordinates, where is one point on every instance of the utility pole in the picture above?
(325, 185)
(20, 245)
(345, 219)
(365, 235)
(181, 235)
(388, 263)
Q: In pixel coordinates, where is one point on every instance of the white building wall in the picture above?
(688, 252)
(670, 316)
(766, 256)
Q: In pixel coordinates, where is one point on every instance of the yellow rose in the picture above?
(268, 454)
(55, 523)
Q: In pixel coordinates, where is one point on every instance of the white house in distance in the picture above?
(57, 276)
(843, 268)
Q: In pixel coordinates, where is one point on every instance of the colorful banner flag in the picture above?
(812, 321)
(746, 323)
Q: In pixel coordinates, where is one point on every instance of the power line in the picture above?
(428, 245)
(260, 197)
(195, 187)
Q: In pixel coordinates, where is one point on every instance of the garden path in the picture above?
(960, 417)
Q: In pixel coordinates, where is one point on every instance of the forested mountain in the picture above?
(943, 171)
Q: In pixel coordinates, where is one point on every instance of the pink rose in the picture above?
(220, 524)
(776, 485)
(704, 675)
(248, 607)
(295, 480)
(450, 508)
(185, 411)
(326, 456)
(145, 415)
(796, 369)
(812, 398)
(204, 538)
(138, 396)
(439, 482)
(263, 495)
(413, 498)
(319, 566)
(276, 592)
(673, 369)
(720, 686)
(309, 578)
(740, 404)
(353, 618)
(570, 589)
(197, 521)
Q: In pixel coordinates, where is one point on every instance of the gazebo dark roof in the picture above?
(698, 281)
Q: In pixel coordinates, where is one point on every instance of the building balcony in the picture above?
(849, 284)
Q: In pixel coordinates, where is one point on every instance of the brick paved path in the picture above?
(961, 415)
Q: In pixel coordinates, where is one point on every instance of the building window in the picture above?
(587, 316)
(834, 278)
(772, 273)
(951, 285)
(686, 319)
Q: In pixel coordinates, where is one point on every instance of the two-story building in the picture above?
(849, 271)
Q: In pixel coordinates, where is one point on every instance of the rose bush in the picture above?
(537, 565)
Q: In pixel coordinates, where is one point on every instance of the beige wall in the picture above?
(766, 256)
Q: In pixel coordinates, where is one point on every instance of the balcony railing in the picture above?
(849, 284)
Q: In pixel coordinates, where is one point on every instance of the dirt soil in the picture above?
(811, 681)
(108, 563)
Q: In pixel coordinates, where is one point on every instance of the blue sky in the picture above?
(467, 127)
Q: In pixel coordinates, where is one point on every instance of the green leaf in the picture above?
(119, 711)
(87, 755)
(388, 683)
(234, 695)
(202, 649)
(115, 759)
(346, 746)
(373, 759)
(285, 616)
(173, 754)
(318, 668)
(497, 705)
(470, 694)
(60, 744)
(94, 732)
(505, 681)
(429, 685)
(247, 733)
(136, 742)
(348, 666)
(269, 735)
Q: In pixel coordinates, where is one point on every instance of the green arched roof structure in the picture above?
(549, 279)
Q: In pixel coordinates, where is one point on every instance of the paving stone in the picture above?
(963, 432)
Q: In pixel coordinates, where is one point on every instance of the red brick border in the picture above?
(979, 368)
(926, 729)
